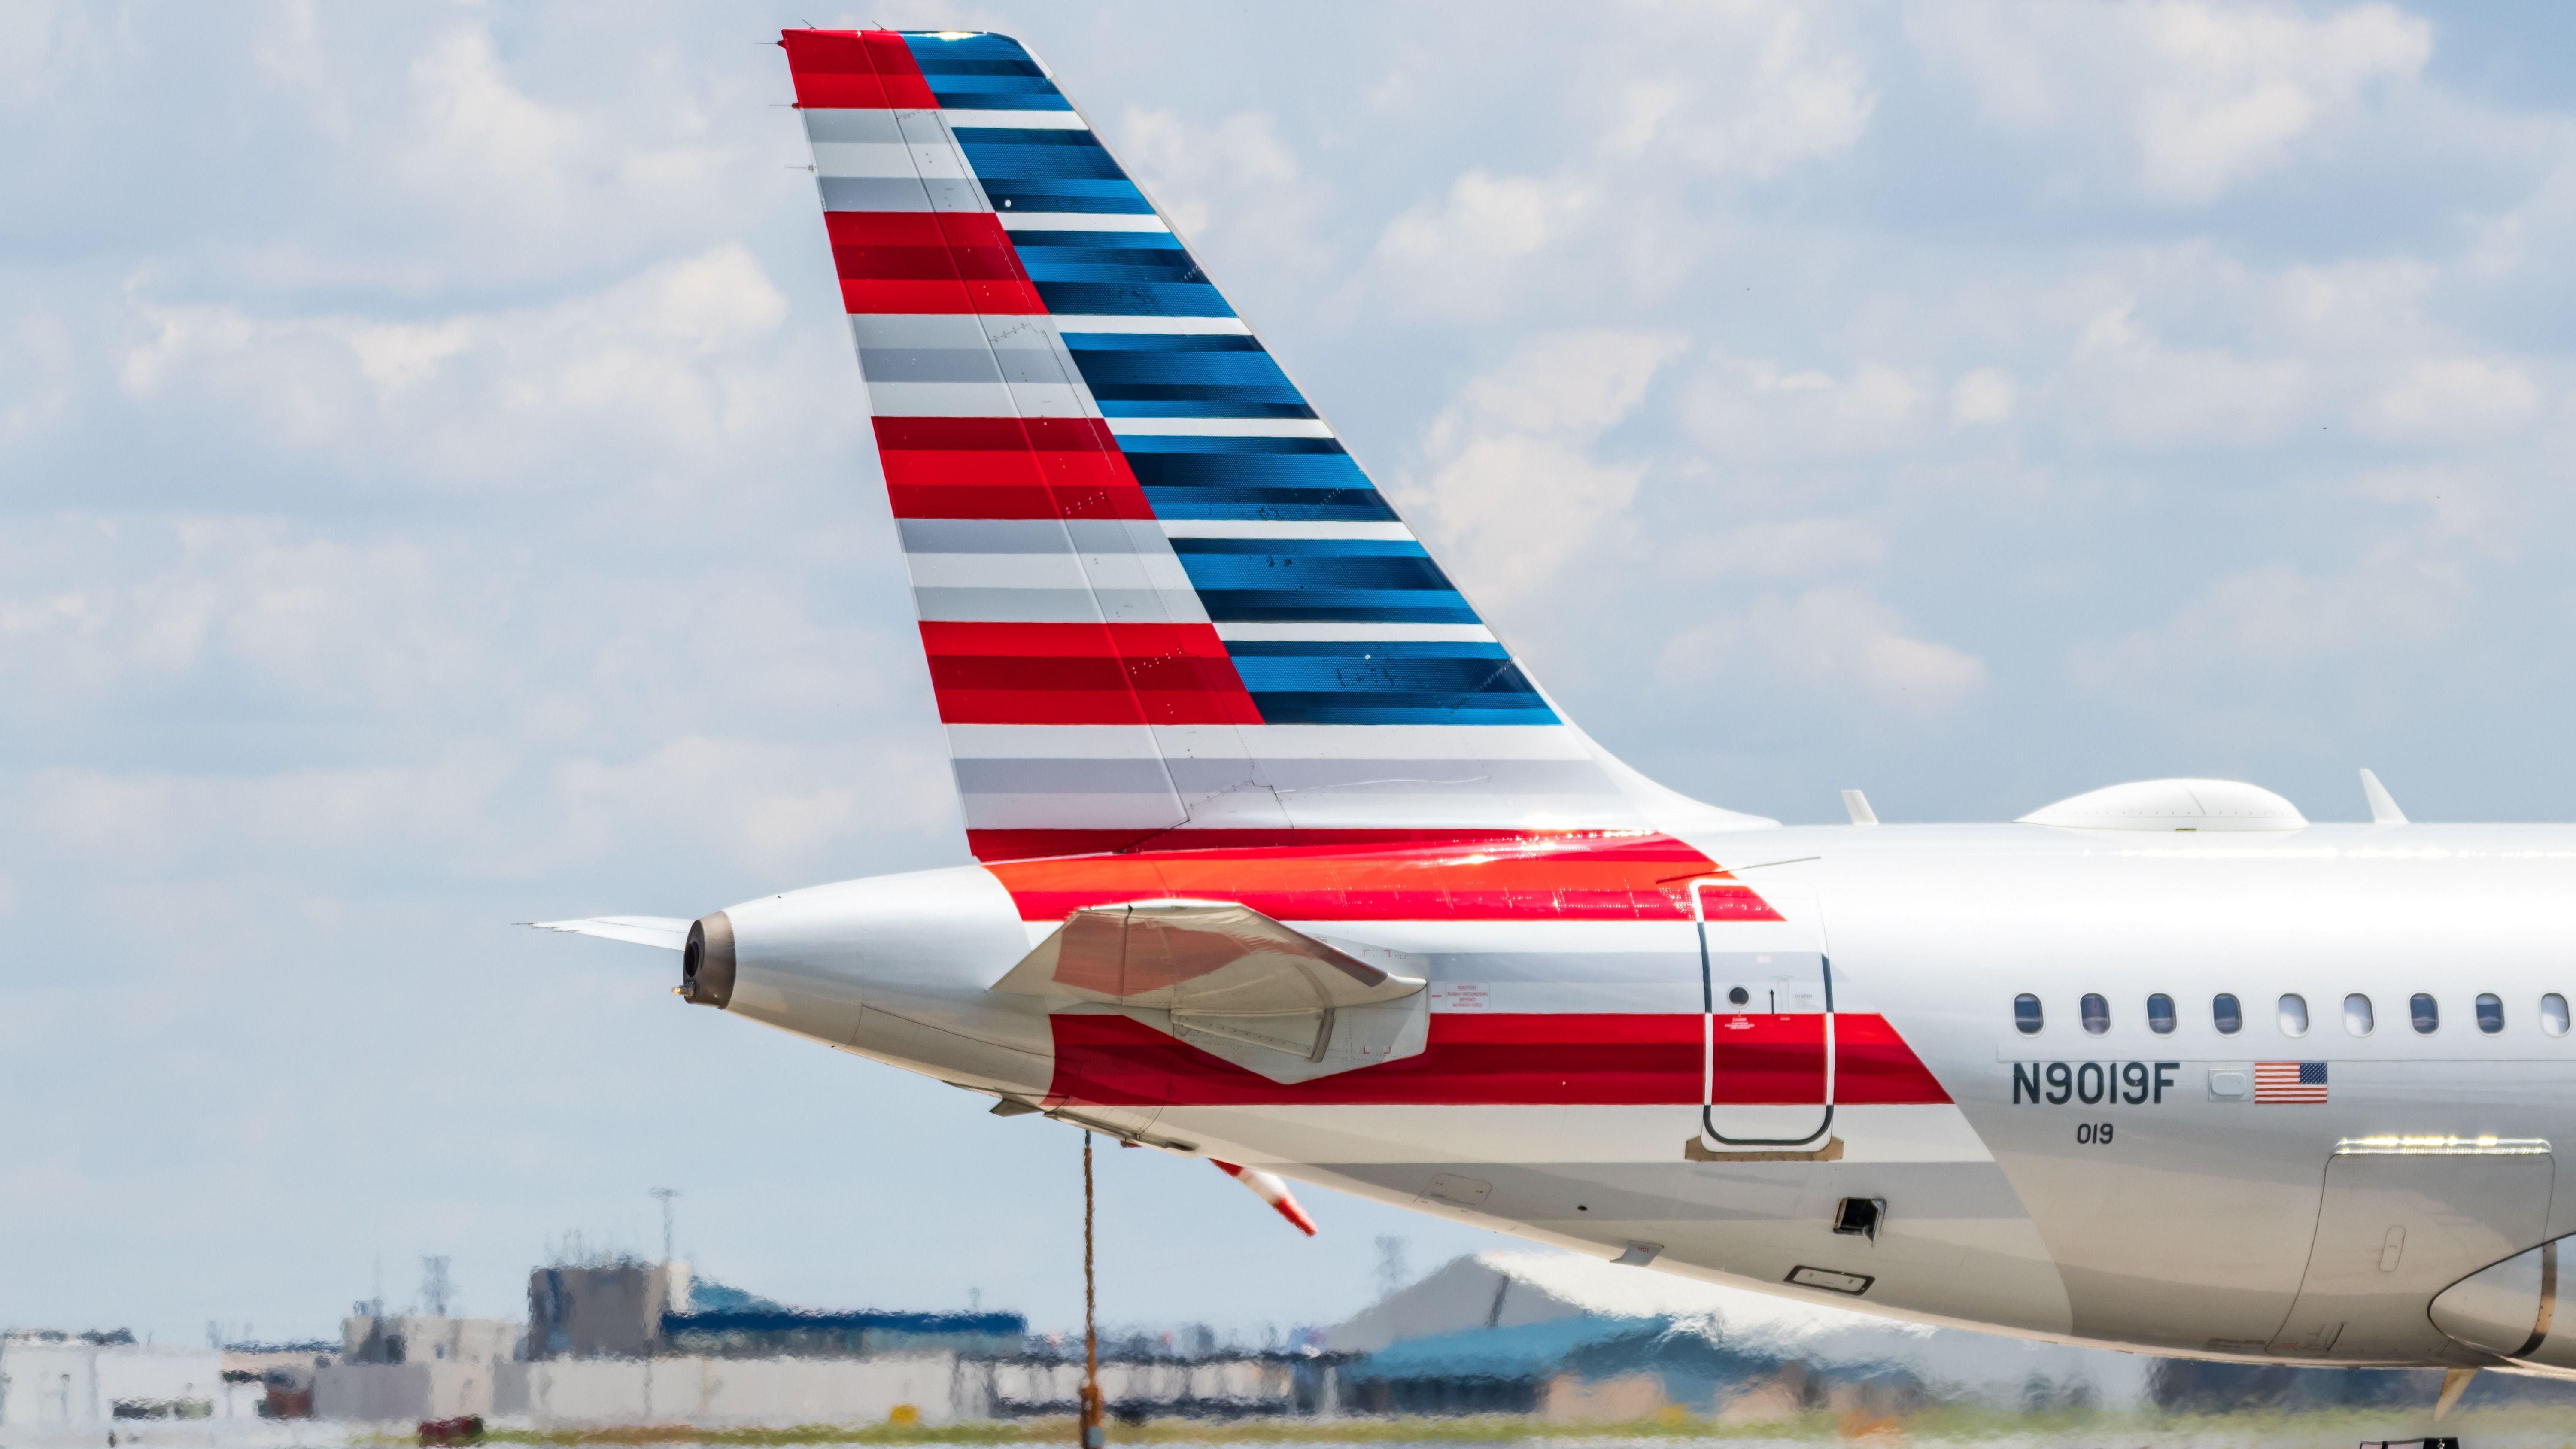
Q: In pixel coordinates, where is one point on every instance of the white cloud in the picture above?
(39, 355)
(778, 810)
(1758, 100)
(1517, 508)
(1460, 255)
(1486, 215)
(1759, 408)
(2367, 301)
(2124, 383)
(474, 133)
(1820, 640)
(755, 807)
(1512, 487)
(2474, 505)
(1188, 167)
(394, 356)
(399, 642)
(1982, 396)
(2232, 90)
(1790, 548)
(1577, 201)
(488, 151)
(671, 359)
(41, 50)
(2451, 397)
(2259, 633)
(1567, 383)
(2194, 98)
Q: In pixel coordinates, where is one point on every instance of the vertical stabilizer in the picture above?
(1162, 604)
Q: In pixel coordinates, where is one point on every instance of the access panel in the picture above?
(2399, 1223)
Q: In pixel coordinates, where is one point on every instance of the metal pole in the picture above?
(1092, 1435)
(666, 1194)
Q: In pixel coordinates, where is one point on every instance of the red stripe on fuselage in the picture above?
(1581, 876)
(1510, 1059)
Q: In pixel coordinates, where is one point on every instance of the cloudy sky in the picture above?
(437, 496)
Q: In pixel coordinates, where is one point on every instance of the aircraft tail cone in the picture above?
(706, 963)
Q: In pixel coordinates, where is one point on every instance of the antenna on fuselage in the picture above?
(2383, 806)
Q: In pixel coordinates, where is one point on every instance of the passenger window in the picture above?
(2426, 1013)
(2160, 1014)
(2490, 1013)
(2553, 1014)
(2226, 1014)
(2294, 1016)
(2356, 1014)
(2026, 1014)
(2097, 1015)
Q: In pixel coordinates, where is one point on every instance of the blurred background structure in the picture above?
(615, 1342)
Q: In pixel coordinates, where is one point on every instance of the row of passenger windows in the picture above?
(2228, 1015)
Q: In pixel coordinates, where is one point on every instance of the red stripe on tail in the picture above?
(1007, 468)
(832, 70)
(1132, 674)
(904, 86)
(855, 70)
(1043, 844)
(928, 261)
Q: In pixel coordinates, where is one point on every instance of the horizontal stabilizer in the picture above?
(662, 931)
(1211, 958)
(1232, 982)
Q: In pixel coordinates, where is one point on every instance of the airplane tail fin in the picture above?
(1163, 607)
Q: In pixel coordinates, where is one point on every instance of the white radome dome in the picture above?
(2172, 805)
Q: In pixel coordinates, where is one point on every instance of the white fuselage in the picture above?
(2122, 1186)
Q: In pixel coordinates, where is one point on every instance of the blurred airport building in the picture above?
(606, 1309)
(52, 1379)
(1570, 1338)
(618, 1342)
(413, 1366)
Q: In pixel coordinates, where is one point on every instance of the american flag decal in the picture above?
(2289, 1081)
